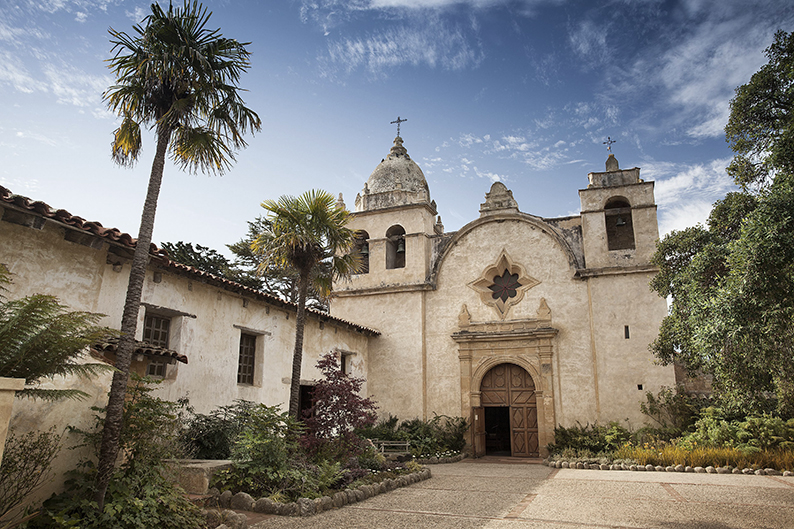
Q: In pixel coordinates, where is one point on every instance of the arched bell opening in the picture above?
(619, 226)
(395, 247)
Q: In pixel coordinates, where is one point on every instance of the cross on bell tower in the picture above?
(398, 121)
(608, 143)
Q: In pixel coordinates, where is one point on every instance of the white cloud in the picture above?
(36, 137)
(685, 195)
(432, 45)
(589, 40)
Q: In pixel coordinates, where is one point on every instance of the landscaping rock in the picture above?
(225, 498)
(747, 471)
(359, 495)
(565, 464)
(604, 467)
(659, 468)
(305, 507)
(736, 471)
(724, 470)
(679, 468)
(214, 492)
(351, 496)
(318, 505)
(580, 465)
(340, 499)
(641, 468)
(234, 520)
(711, 470)
(688, 469)
(669, 468)
(771, 472)
(788, 473)
(328, 503)
(632, 467)
(650, 468)
(700, 470)
(760, 472)
(265, 505)
(241, 502)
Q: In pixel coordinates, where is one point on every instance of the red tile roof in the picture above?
(143, 348)
(115, 236)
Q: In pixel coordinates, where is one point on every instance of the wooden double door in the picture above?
(508, 386)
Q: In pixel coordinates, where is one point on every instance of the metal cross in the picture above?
(398, 121)
(609, 143)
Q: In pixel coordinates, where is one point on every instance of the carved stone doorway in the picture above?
(507, 386)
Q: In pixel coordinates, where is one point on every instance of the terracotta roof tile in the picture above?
(143, 348)
(124, 239)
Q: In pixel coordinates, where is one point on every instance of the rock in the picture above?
(305, 507)
(214, 492)
(241, 502)
(565, 464)
(359, 495)
(213, 517)
(340, 499)
(433, 460)
(234, 520)
(580, 465)
(747, 471)
(264, 505)
(328, 503)
(351, 496)
(632, 467)
(679, 468)
(788, 473)
(604, 467)
(760, 472)
(669, 468)
(711, 470)
(222, 526)
(318, 505)
(688, 469)
(700, 470)
(724, 470)
(650, 468)
(224, 499)
(641, 468)
(771, 472)
(736, 471)
(659, 468)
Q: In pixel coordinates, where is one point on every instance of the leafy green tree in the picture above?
(761, 125)
(180, 78)
(40, 338)
(305, 233)
(732, 282)
(272, 278)
(200, 257)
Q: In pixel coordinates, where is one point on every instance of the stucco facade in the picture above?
(567, 300)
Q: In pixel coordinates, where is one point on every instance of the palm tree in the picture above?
(308, 234)
(179, 78)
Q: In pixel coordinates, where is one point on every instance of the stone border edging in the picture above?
(659, 468)
(309, 507)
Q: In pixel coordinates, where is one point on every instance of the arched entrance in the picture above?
(507, 421)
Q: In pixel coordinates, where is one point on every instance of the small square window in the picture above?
(245, 366)
(155, 330)
(156, 368)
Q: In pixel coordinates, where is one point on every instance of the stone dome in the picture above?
(397, 171)
(397, 180)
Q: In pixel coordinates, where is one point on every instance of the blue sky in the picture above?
(521, 91)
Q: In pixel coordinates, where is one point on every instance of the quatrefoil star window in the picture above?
(503, 284)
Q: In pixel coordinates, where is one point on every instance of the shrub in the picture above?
(440, 434)
(141, 494)
(671, 409)
(589, 439)
(26, 462)
(337, 411)
(212, 436)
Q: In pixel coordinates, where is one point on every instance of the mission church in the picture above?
(516, 322)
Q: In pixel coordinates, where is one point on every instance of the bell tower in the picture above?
(619, 226)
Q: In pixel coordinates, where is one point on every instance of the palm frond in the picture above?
(53, 394)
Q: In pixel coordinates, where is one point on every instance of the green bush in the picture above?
(141, 493)
(212, 436)
(440, 434)
(752, 433)
(589, 440)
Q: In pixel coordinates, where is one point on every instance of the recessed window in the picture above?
(626, 332)
(362, 247)
(156, 368)
(155, 330)
(639, 387)
(247, 359)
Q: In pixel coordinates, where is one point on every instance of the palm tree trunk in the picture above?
(129, 323)
(297, 355)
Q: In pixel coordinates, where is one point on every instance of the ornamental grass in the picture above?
(671, 454)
